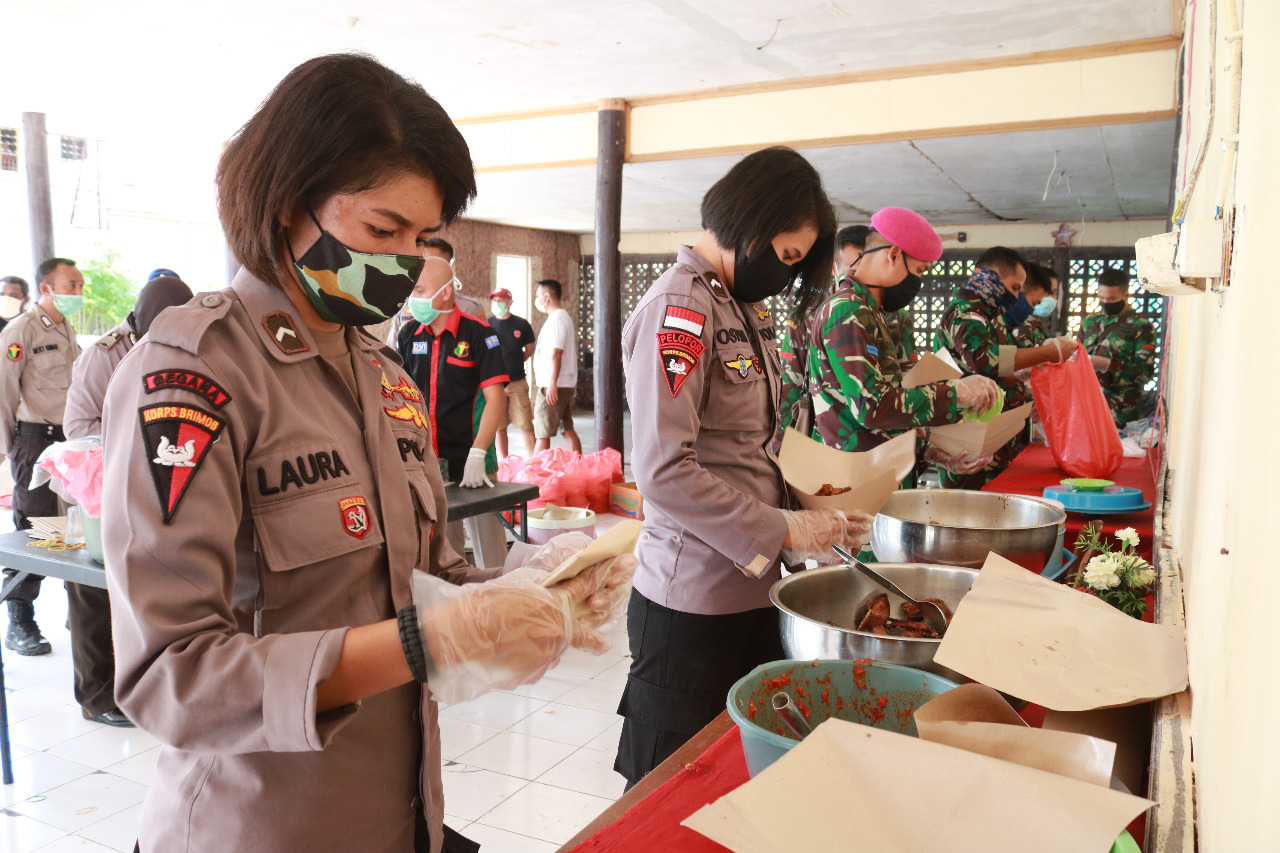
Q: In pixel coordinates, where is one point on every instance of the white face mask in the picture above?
(10, 307)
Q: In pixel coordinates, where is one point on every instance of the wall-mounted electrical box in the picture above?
(1200, 249)
(1157, 269)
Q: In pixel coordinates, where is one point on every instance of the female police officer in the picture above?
(703, 383)
(277, 489)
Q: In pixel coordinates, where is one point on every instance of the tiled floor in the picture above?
(524, 771)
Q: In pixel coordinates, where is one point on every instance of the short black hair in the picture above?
(771, 192)
(552, 285)
(439, 243)
(1114, 278)
(21, 282)
(852, 235)
(342, 123)
(1038, 278)
(1002, 259)
(47, 267)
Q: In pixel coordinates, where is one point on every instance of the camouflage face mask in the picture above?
(354, 288)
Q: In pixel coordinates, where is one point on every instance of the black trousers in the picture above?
(682, 667)
(92, 652)
(28, 503)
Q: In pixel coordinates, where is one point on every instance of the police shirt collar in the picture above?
(688, 257)
(261, 301)
(45, 320)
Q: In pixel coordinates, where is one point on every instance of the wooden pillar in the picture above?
(1061, 265)
(608, 264)
(35, 156)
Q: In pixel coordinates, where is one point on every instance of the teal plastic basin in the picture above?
(881, 695)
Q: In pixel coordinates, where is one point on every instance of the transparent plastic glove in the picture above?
(473, 475)
(961, 463)
(1065, 346)
(509, 631)
(609, 602)
(812, 532)
(975, 393)
(1101, 363)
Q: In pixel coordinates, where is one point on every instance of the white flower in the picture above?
(1102, 572)
(1144, 577)
(1128, 536)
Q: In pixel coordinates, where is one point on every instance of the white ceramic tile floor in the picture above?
(525, 770)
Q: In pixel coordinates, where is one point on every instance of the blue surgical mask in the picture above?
(421, 309)
(1046, 306)
(68, 304)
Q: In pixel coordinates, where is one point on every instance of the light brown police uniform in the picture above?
(702, 380)
(263, 509)
(38, 355)
(89, 381)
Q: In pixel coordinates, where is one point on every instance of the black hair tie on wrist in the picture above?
(411, 642)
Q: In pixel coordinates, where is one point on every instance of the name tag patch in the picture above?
(309, 469)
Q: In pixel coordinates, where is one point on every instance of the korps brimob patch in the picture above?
(679, 353)
(176, 440)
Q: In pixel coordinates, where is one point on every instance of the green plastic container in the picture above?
(875, 694)
(990, 413)
(92, 536)
(1125, 844)
(1086, 484)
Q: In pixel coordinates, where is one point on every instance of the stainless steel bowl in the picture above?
(817, 605)
(959, 528)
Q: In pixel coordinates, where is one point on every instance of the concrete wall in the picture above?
(552, 254)
(1224, 409)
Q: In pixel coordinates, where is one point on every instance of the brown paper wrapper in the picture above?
(872, 475)
(1037, 640)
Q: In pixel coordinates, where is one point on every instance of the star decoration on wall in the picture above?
(1062, 237)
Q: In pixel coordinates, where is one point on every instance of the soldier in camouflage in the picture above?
(975, 332)
(851, 242)
(850, 363)
(1122, 347)
(1040, 289)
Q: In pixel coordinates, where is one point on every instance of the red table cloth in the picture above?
(1034, 470)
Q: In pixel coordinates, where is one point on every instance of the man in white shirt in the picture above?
(555, 368)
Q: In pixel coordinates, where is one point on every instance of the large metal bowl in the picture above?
(959, 528)
(815, 606)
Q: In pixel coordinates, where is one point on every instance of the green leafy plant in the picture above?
(109, 294)
(1119, 577)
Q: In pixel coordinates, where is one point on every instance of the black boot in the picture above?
(24, 634)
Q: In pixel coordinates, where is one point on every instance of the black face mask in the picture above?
(1018, 313)
(1111, 309)
(897, 296)
(760, 277)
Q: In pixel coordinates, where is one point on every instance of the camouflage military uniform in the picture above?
(1130, 342)
(1031, 333)
(899, 325)
(979, 339)
(855, 372)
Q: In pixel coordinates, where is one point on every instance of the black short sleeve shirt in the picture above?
(452, 370)
(515, 333)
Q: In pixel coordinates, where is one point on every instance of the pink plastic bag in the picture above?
(1077, 421)
(565, 478)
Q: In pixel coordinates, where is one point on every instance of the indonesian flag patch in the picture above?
(684, 320)
(355, 516)
(679, 353)
(176, 439)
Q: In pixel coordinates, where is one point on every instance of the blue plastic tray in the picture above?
(1109, 500)
(1055, 570)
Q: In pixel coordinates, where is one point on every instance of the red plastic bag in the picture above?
(1077, 421)
(565, 478)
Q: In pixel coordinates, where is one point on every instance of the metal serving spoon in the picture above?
(929, 612)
